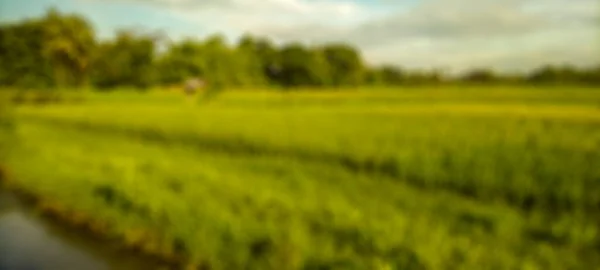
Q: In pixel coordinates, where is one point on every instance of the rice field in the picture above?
(440, 178)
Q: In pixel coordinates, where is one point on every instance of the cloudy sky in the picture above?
(508, 35)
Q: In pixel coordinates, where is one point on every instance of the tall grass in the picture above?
(542, 155)
(438, 179)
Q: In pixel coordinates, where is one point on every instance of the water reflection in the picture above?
(28, 242)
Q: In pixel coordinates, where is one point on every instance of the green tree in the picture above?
(217, 62)
(129, 60)
(345, 65)
(55, 50)
(181, 61)
(480, 75)
(69, 42)
(23, 64)
(421, 77)
(58, 50)
(269, 57)
(556, 74)
(387, 75)
(300, 66)
(592, 76)
(250, 60)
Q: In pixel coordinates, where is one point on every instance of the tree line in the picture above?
(63, 50)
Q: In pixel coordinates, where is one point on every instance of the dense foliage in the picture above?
(61, 50)
(440, 178)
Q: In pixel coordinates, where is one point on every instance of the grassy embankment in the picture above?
(413, 179)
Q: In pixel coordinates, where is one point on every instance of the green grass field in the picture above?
(440, 178)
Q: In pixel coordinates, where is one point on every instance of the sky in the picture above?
(452, 35)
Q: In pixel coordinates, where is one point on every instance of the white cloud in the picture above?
(461, 34)
(457, 34)
(507, 35)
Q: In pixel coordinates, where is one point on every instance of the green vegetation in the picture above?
(62, 50)
(438, 178)
(479, 171)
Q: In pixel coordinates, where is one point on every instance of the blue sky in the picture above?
(105, 17)
(508, 35)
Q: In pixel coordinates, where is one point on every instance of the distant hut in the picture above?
(193, 85)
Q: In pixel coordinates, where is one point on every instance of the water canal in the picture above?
(28, 241)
